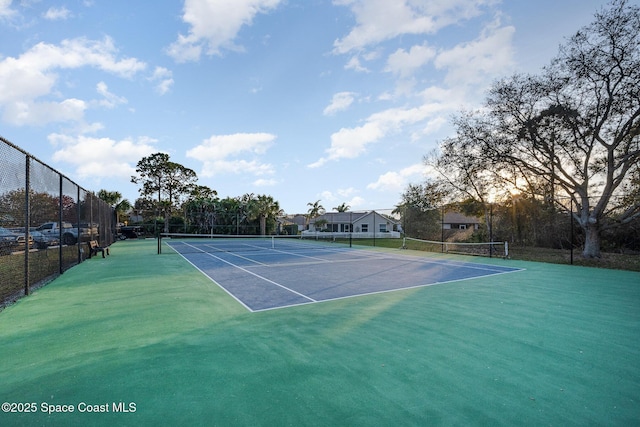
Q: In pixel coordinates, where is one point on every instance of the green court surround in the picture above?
(553, 345)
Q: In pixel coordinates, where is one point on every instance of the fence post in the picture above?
(78, 211)
(27, 221)
(60, 205)
(442, 228)
(571, 228)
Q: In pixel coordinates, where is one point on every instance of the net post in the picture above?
(506, 249)
(159, 244)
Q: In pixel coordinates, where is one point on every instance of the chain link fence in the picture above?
(533, 230)
(526, 229)
(45, 221)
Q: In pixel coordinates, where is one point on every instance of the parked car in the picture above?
(8, 241)
(20, 240)
(68, 232)
(43, 241)
(130, 232)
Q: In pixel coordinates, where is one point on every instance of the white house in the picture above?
(458, 221)
(358, 224)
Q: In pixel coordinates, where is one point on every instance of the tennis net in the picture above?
(193, 243)
(490, 249)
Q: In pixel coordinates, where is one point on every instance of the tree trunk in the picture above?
(263, 225)
(592, 241)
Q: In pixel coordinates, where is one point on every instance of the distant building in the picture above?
(458, 221)
(359, 224)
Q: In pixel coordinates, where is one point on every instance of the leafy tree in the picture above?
(229, 215)
(573, 130)
(43, 207)
(200, 209)
(420, 210)
(202, 192)
(168, 181)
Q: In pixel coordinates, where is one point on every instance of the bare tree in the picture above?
(574, 128)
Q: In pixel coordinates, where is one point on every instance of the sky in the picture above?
(302, 100)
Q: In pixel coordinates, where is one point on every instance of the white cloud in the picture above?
(57, 13)
(405, 63)
(355, 203)
(214, 24)
(110, 100)
(340, 102)
(346, 192)
(21, 113)
(349, 143)
(164, 79)
(81, 52)
(435, 125)
(5, 9)
(330, 199)
(354, 64)
(219, 153)
(380, 20)
(470, 63)
(101, 157)
(397, 181)
(262, 182)
(218, 167)
(25, 80)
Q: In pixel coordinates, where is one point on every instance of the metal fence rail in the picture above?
(45, 221)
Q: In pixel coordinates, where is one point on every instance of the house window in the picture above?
(365, 228)
(383, 228)
(463, 226)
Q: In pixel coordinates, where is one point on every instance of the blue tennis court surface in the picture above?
(270, 278)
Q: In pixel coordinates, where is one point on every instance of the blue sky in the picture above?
(302, 100)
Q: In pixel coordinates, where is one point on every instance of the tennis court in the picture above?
(158, 343)
(266, 273)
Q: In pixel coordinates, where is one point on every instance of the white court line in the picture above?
(385, 291)
(300, 255)
(371, 256)
(445, 262)
(311, 300)
(248, 259)
(321, 261)
(211, 278)
(261, 277)
(368, 255)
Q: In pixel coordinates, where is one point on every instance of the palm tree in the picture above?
(342, 208)
(263, 207)
(315, 210)
(114, 199)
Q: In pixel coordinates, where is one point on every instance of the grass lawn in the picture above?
(149, 334)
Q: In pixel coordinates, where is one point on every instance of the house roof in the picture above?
(458, 218)
(298, 219)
